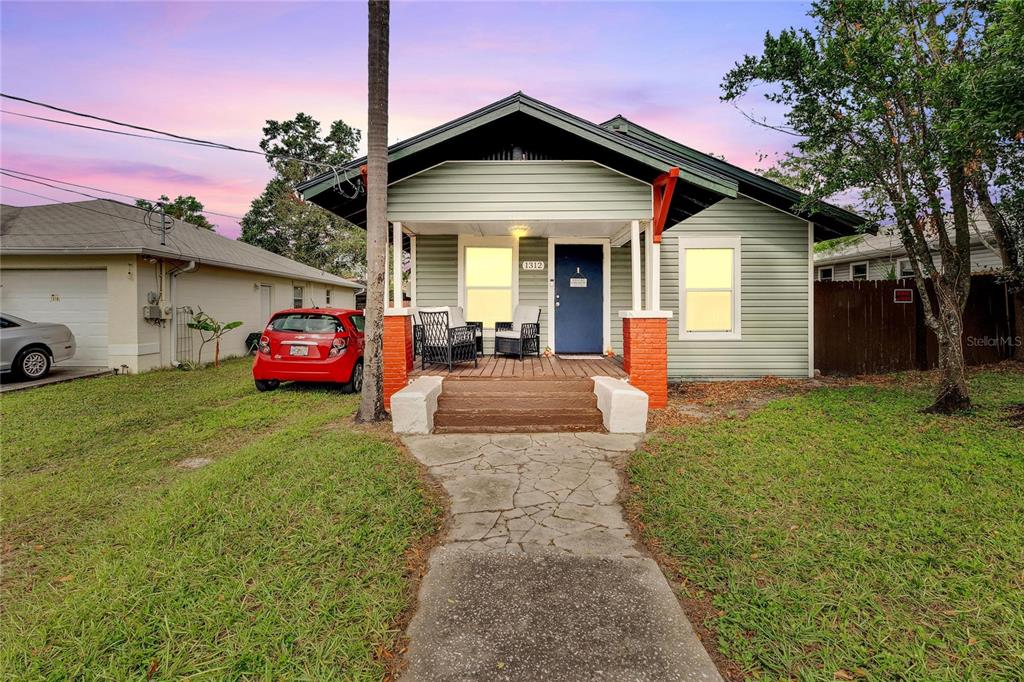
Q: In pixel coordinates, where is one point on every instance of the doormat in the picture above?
(595, 356)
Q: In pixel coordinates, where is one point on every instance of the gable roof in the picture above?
(525, 122)
(831, 221)
(103, 226)
(887, 243)
(521, 120)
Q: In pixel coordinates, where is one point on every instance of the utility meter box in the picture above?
(152, 312)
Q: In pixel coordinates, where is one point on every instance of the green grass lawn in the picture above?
(283, 558)
(844, 534)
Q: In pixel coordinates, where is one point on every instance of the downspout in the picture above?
(191, 267)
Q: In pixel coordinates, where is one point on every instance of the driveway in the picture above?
(539, 576)
(57, 375)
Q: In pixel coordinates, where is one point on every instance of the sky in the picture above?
(217, 71)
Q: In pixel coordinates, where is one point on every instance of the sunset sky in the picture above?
(219, 70)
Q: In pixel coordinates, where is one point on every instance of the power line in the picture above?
(175, 136)
(107, 130)
(98, 189)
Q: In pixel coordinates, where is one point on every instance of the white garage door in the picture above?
(77, 298)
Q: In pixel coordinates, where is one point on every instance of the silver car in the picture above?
(29, 349)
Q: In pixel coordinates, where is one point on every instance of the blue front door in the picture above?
(579, 298)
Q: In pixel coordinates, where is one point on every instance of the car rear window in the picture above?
(358, 321)
(308, 323)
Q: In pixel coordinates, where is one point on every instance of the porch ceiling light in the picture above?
(520, 231)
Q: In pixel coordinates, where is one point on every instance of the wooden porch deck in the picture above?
(501, 367)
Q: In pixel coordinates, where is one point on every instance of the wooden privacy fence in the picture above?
(859, 328)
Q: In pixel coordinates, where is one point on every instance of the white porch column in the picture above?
(412, 270)
(655, 276)
(387, 280)
(649, 268)
(634, 250)
(396, 236)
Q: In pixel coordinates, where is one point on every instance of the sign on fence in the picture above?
(902, 295)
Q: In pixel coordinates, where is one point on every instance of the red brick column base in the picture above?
(396, 355)
(645, 356)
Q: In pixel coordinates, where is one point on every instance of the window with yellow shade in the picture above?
(709, 288)
(488, 282)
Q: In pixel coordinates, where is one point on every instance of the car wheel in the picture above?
(266, 384)
(32, 363)
(355, 384)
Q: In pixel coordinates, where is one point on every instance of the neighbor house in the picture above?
(685, 266)
(127, 292)
(882, 255)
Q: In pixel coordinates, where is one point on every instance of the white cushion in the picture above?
(456, 318)
(524, 314)
(506, 335)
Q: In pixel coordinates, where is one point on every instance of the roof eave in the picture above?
(167, 255)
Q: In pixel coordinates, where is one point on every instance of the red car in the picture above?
(311, 344)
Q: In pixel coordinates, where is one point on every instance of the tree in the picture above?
(210, 330)
(872, 94)
(184, 208)
(992, 118)
(372, 406)
(279, 222)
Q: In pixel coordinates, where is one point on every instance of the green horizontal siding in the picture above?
(518, 190)
(533, 284)
(437, 271)
(773, 280)
(774, 297)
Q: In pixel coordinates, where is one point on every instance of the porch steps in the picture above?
(470, 405)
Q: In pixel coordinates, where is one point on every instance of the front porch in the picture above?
(540, 368)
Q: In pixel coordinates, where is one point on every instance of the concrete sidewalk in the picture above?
(539, 577)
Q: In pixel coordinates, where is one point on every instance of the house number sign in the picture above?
(533, 265)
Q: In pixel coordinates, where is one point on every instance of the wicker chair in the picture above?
(446, 339)
(521, 336)
(417, 330)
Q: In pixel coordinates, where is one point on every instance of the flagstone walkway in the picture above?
(539, 576)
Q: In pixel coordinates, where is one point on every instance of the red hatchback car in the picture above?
(311, 344)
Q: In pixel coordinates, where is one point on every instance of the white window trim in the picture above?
(734, 243)
(826, 267)
(302, 294)
(498, 242)
(606, 282)
(867, 270)
(899, 268)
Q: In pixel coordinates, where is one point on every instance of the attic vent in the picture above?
(514, 153)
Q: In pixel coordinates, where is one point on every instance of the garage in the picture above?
(77, 298)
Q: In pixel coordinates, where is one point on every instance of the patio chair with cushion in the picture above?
(446, 339)
(417, 329)
(521, 336)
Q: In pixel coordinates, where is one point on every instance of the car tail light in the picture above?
(265, 345)
(337, 348)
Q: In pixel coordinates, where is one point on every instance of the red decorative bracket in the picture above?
(662, 189)
(364, 170)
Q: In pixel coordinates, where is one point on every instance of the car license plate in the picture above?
(299, 350)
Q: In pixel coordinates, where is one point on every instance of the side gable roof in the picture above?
(830, 221)
(104, 226)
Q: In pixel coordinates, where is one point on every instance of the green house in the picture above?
(599, 224)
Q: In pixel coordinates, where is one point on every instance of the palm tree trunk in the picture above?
(371, 408)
